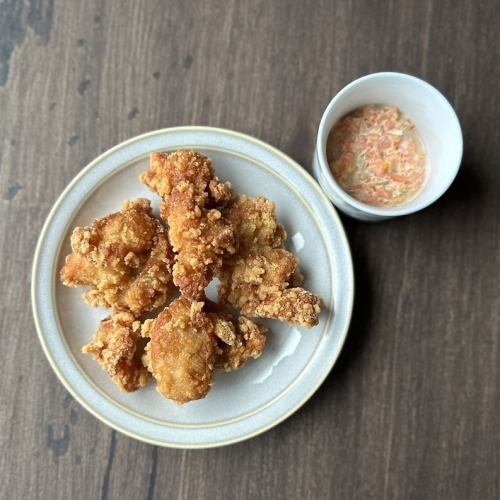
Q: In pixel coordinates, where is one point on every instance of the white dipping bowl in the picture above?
(437, 125)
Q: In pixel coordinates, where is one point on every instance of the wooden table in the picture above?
(412, 408)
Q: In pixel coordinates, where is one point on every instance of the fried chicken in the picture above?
(198, 232)
(201, 238)
(117, 347)
(167, 170)
(189, 340)
(129, 264)
(249, 342)
(181, 352)
(238, 340)
(262, 279)
(125, 258)
(254, 220)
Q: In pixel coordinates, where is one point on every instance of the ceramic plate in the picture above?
(241, 404)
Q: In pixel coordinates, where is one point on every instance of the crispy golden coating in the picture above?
(125, 258)
(257, 273)
(238, 340)
(296, 306)
(261, 279)
(249, 342)
(117, 347)
(181, 352)
(201, 237)
(198, 232)
(167, 170)
(254, 220)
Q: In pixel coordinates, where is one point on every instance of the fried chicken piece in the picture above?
(254, 220)
(258, 283)
(201, 238)
(167, 170)
(262, 279)
(249, 342)
(256, 273)
(296, 306)
(117, 347)
(181, 352)
(124, 257)
(198, 232)
(238, 340)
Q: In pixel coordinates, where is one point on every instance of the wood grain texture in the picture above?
(412, 408)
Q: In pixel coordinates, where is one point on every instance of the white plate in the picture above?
(241, 404)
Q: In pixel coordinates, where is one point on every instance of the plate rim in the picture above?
(74, 181)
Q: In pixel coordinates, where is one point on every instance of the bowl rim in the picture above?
(364, 207)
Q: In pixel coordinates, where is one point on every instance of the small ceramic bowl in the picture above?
(436, 123)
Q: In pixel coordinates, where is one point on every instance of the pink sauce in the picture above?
(377, 157)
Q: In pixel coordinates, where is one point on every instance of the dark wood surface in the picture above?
(412, 408)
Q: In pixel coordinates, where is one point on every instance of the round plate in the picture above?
(241, 404)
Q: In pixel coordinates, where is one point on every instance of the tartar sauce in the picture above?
(377, 157)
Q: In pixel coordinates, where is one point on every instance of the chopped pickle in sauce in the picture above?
(377, 156)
